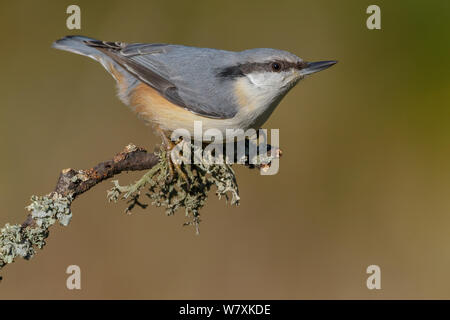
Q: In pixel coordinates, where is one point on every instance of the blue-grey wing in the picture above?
(186, 76)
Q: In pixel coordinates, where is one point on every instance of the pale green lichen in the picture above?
(21, 241)
(47, 209)
(174, 194)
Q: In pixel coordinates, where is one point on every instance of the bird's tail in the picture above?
(76, 44)
(83, 45)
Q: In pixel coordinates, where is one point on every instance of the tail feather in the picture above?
(81, 45)
(76, 44)
(84, 46)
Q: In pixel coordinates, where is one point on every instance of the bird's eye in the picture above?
(276, 66)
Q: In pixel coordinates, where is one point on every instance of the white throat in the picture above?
(258, 94)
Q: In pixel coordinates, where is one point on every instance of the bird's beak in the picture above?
(313, 67)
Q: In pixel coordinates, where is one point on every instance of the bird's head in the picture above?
(269, 73)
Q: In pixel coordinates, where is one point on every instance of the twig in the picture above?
(21, 240)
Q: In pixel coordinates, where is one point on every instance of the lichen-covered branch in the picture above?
(22, 240)
(173, 192)
(158, 185)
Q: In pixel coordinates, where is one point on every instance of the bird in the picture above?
(173, 86)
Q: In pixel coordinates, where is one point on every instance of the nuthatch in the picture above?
(172, 85)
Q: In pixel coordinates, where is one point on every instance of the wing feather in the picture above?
(154, 64)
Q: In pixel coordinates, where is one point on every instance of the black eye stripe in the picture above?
(246, 68)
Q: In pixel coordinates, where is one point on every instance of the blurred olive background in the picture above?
(365, 176)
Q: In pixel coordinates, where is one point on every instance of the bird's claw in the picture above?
(173, 165)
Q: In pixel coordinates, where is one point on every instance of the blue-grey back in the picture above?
(194, 72)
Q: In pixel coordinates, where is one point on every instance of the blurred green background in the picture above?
(365, 176)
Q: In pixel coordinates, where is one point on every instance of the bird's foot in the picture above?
(174, 166)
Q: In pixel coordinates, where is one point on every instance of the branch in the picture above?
(75, 183)
(21, 240)
(161, 187)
